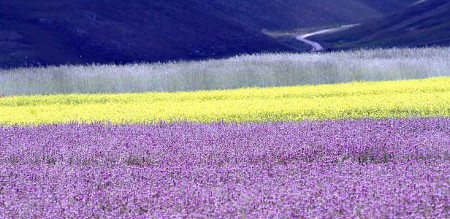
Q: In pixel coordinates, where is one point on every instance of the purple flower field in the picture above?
(364, 168)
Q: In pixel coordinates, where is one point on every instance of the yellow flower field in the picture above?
(425, 98)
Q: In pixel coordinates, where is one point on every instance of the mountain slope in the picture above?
(65, 31)
(291, 14)
(424, 24)
(54, 32)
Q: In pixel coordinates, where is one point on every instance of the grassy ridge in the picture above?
(264, 70)
(426, 98)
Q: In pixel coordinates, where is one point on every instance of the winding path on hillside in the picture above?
(316, 47)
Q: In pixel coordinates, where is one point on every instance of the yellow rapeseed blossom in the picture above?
(412, 98)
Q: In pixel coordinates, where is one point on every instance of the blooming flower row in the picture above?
(344, 168)
(399, 99)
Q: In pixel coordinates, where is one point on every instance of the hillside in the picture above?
(292, 14)
(78, 32)
(424, 24)
(39, 32)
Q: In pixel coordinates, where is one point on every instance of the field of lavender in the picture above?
(349, 150)
(369, 168)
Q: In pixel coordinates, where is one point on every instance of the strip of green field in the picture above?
(412, 98)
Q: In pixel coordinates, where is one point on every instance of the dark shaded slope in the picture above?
(54, 32)
(77, 32)
(291, 14)
(424, 24)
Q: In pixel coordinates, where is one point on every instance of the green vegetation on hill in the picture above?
(288, 15)
(424, 24)
(40, 32)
